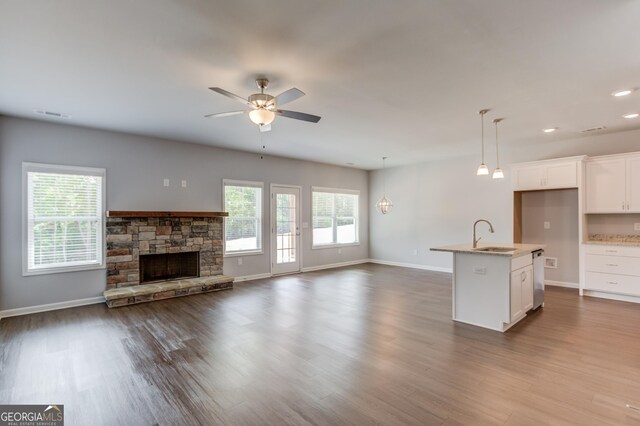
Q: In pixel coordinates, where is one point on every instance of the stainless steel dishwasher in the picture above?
(538, 278)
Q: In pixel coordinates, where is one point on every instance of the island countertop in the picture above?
(518, 249)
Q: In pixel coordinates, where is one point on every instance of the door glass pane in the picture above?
(286, 228)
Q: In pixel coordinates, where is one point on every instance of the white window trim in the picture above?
(315, 246)
(238, 253)
(54, 168)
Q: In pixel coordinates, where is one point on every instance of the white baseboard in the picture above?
(251, 277)
(334, 265)
(412, 265)
(612, 296)
(561, 284)
(51, 307)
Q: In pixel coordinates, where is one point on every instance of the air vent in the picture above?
(593, 129)
(551, 262)
(51, 113)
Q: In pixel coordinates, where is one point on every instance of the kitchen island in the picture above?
(493, 285)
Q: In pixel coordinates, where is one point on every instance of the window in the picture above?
(243, 226)
(63, 218)
(334, 216)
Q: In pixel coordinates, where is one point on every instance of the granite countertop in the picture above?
(518, 249)
(614, 240)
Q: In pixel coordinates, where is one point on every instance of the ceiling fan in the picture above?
(263, 107)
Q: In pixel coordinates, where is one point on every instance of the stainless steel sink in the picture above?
(496, 249)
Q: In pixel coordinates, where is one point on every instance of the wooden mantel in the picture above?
(117, 213)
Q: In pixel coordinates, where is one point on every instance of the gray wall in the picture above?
(136, 167)
(436, 203)
(560, 209)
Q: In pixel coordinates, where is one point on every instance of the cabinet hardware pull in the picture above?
(611, 251)
(612, 282)
(623, 205)
(611, 264)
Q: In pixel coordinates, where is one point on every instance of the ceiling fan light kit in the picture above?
(263, 107)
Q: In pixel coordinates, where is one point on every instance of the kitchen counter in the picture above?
(518, 249)
(494, 290)
(614, 240)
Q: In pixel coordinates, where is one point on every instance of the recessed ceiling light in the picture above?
(550, 129)
(622, 93)
(51, 113)
(634, 115)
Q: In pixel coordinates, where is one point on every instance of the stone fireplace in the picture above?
(186, 244)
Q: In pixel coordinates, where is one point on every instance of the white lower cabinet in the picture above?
(612, 269)
(521, 292)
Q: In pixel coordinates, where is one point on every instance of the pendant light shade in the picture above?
(483, 170)
(384, 204)
(497, 173)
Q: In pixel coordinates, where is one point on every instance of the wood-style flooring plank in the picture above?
(367, 344)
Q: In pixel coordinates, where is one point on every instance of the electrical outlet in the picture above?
(184, 183)
(636, 226)
(165, 182)
(480, 270)
(547, 225)
(339, 251)
(239, 261)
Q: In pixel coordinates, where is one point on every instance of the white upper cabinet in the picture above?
(613, 184)
(606, 186)
(550, 174)
(633, 185)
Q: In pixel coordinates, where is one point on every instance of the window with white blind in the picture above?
(243, 226)
(334, 216)
(63, 218)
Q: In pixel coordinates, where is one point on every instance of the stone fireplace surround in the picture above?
(131, 234)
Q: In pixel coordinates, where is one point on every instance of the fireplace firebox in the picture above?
(169, 266)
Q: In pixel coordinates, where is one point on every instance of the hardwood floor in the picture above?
(368, 344)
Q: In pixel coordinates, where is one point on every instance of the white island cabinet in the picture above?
(492, 289)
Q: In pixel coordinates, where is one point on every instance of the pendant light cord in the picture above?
(384, 179)
(482, 127)
(497, 156)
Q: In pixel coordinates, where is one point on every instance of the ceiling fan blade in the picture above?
(298, 115)
(230, 95)
(224, 114)
(265, 128)
(288, 96)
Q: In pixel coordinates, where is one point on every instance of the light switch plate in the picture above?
(184, 183)
(636, 226)
(547, 225)
(239, 261)
(415, 252)
(305, 225)
(165, 182)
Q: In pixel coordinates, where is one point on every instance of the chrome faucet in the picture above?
(475, 240)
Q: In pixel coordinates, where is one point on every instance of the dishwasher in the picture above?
(538, 278)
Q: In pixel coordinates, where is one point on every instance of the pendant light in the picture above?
(497, 173)
(384, 204)
(482, 168)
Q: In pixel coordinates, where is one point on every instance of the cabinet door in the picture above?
(561, 175)
(516, 295)
(606, 186)
(526, 281)
(633, 185)
(528, 178)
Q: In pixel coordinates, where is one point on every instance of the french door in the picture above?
(285, 229)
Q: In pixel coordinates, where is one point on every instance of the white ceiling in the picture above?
(403, 79)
